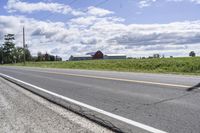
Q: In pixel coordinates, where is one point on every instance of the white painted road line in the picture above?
(120, 118)
(115, 79)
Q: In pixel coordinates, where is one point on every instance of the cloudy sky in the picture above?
(133, 27)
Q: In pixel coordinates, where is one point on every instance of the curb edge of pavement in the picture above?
(99, 118)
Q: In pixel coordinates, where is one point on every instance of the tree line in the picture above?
(46, 57)
(9, 53)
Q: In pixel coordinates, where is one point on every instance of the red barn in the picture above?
(96, 55)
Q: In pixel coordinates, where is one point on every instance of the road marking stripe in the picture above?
(120, 118)
(116, 79)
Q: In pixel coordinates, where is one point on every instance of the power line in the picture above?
(101, 3)
(72, 2)
(85, 11)
(69, 4)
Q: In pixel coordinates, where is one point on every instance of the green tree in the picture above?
(18, 54)
(11, 54)
(1, 55)
(192, 54)
(8, 48)
(28, 55)
(39, 54)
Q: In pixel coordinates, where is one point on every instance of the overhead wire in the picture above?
(86, 10)
(69, 4)
(72, 2)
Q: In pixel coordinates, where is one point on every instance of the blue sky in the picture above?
(158, 12)
(169, 27)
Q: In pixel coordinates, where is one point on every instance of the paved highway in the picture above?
(157, 100)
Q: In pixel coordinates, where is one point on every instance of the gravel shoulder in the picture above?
(22, 111)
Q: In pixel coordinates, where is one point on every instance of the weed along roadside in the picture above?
(181, 65)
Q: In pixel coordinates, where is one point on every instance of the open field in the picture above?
(181, 65)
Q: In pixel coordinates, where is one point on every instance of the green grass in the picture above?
(183, 65)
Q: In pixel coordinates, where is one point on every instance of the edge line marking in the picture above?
(120, 118)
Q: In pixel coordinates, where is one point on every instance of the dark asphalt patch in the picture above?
(194, 87)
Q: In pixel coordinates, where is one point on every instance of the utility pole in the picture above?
(24, 46)
(2, 54)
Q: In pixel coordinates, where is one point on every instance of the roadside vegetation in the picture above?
(181, 65)
(12, 55)
(9, 53)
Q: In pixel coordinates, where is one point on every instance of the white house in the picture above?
(80, 57)
(114, 56)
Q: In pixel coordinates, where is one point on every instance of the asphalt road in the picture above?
(158, 100)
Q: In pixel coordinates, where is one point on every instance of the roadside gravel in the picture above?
(24, 112)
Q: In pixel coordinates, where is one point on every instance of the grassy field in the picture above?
(183, 65)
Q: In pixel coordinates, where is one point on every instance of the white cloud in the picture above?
(145, 3)
(108, 33)
(25, 7)
(98, 11)
(98, 29)
(196, 1)
(83, 21)
(193, 1)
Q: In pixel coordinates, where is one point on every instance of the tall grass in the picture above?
(184, 65)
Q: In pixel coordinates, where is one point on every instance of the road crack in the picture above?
(165, 100)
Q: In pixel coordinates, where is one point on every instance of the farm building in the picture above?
(114, 56)
(88, 56)
(80, 57)
(96, 55)
(48, 57)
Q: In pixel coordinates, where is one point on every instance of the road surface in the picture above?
(161, 101)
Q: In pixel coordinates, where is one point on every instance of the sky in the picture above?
(136, 28)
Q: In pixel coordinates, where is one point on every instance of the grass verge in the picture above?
(182, 65)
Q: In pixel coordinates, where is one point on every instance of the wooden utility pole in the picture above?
(24, 46)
